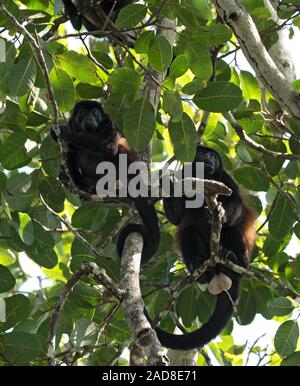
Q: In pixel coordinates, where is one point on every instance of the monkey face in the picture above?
(90, 120)
(89, 116)
(211, 159)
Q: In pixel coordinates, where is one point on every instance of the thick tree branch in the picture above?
(131, 259)
(238, 19)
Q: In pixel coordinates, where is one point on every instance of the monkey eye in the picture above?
(96, 114)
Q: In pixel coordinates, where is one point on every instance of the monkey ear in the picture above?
(219, 283)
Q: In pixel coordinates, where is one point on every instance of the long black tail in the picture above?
(209, 330)
(149, 229)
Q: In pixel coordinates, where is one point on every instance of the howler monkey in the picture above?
(91, 138)
(193, 239)
(84, 12)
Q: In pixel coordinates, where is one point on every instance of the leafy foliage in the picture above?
(34, 243)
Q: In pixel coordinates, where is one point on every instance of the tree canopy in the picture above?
(167, 72)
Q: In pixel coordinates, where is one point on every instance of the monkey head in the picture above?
(90, 116)
(210, 158)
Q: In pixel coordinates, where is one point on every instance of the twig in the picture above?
(254, 145)
(94, 272)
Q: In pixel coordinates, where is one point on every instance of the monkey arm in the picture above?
(174, 209)
(89, 142)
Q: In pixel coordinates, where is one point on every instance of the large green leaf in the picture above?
(22, 76)
(292, 360)
(286, 338)
(160, 54)
(78, 66)
(53, 193)
(131, 15)
(17, 309)
(252, 178)
(211, 35)
(199, 60)
(282, 218)
(41, 251)
(172, 105)
(186, 305)
(139, 124)
(219, 97)
(20, 347)
(184, 138)
(179, 66)
(7, 280)
(13, 154)
(246, 308)
(63, 88)
(125, 81)
(280, 306)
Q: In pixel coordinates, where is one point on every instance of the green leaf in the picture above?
(212, 35)
(13, 154)
(25, 229)
(262, 296)
(219, 97)
(160, 54)
(7, 281)
(282, 218)
(63, 88)
(199, 60)
(6, 256)
(280, 306)
(139, 124)
(17, 309)
(53, 193)
(84, 333)
(143, 42)
(19, 184)
(20, 347)
(250, 86)
(292, 360)
(252, 179)
(22, 77)
(252, 123)
(286, 338)
(179, 66)
(184, 138)
(78, 66)
(185, 305)
(125, 81)
(41, 251)
(131, 15)
(274, 164)
(246, 308)
(172, 105)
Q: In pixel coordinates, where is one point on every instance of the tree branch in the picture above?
(254, 145)
(131, 259)
(233, 13)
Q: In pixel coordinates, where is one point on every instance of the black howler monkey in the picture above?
(193, 240)
(84, 12)
(92, 138)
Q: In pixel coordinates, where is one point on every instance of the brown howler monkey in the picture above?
(193, 239)
(84, 12)
(91, 138)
